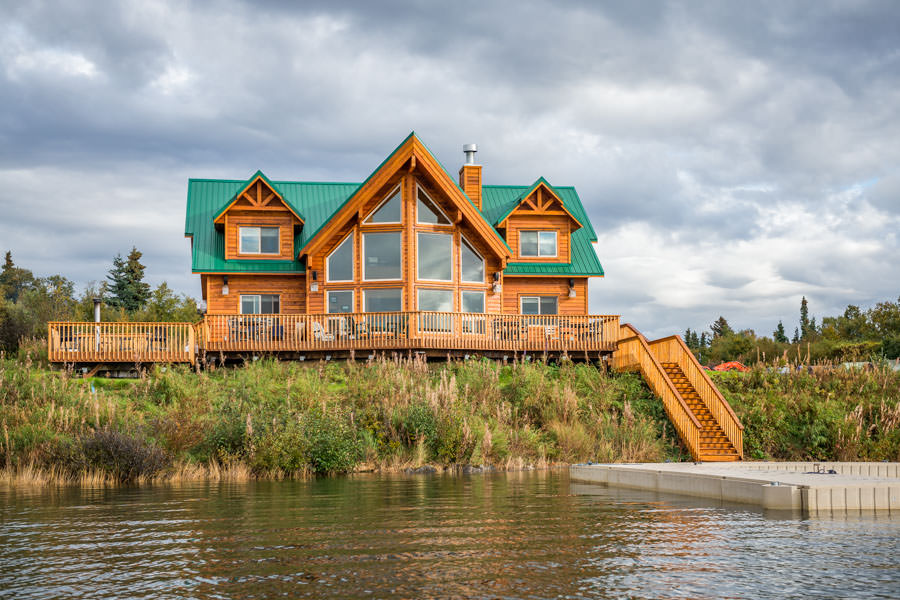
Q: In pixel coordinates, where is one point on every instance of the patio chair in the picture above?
(319, 333)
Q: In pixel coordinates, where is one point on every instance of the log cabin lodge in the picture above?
(411, 262)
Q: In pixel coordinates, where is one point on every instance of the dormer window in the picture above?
(259, 240)
(537, 244)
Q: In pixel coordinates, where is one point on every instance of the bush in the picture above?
(124, 457)
(333, 446)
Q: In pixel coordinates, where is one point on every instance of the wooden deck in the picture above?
(433, 332)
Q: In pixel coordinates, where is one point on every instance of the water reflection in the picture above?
(518, 535)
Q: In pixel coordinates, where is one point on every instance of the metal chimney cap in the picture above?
(470, 148)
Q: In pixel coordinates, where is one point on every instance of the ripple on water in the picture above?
(519, 535)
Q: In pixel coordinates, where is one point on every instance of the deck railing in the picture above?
(121, 342)
(409, 331)
(673, 349)
(634, 352)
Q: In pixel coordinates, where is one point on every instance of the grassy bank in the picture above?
(270, 419)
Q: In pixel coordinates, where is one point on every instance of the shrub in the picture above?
(333, 446)
(124, 457)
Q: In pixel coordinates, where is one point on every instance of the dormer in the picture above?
(539, 226)
(258, 223)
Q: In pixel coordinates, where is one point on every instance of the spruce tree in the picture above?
(13, 280)
(126, 287)
(704, 342)
(804, 319)
(779, 334)
(796, 338)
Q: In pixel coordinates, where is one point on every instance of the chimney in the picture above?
(470, 175)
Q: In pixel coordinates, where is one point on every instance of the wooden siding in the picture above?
(470, 182)
(283, 219)
(559, 223)
(516, 287)
(291, 288)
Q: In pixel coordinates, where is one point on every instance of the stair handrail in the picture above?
(709, 393)
(692, 437)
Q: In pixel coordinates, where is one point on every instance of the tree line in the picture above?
(857, 334)
(28, 303)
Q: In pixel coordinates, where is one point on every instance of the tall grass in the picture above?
(268, 419)
(271, 419)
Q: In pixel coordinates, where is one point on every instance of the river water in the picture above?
(515, 535)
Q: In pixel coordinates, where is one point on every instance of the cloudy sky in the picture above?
(732, 156)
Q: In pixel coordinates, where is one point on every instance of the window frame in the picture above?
(539, 232)
(259, 228)
(448, 234)
(362, 244)
(340, 291)
(420, 189)
(388, 197)
(260, 296)
(538, 298)
(465, 242)
(349, 238)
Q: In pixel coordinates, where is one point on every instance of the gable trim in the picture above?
(408, 149)
(541, 182)
(258, 176)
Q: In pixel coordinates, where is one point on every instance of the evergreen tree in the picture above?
(796, 338)
(13, 280)
(779, 334)
(126, 286)
(704, 342)
(721, 328)
(804, 319)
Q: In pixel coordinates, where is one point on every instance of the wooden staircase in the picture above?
(702, 417)
(714, 444)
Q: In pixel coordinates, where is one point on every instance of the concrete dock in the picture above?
(814, 488)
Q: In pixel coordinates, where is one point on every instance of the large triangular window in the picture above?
(389, 211)
(428, 213)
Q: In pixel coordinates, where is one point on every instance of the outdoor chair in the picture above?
(319, 333)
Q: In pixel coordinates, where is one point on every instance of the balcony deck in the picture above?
(435, 333)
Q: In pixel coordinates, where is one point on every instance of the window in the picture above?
(472, 302)
(427, 212)
(260, 304)
(539, 305)
(434, 256)
(382, 256)
(537, 243)
(258, 240)
(339, 264)
(436, 300)
(383, 300)
(471, 262)
(340, 301)
(389, 210)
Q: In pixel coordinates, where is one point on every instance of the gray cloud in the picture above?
(752, 148)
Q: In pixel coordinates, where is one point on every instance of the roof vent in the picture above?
(470, 150)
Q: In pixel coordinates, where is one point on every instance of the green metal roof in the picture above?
(318, 202)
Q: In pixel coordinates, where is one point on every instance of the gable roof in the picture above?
(259, 175)
(411, 148)
(318, 202)
(541, 182)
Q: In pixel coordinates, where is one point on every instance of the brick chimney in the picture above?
(470, 175)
